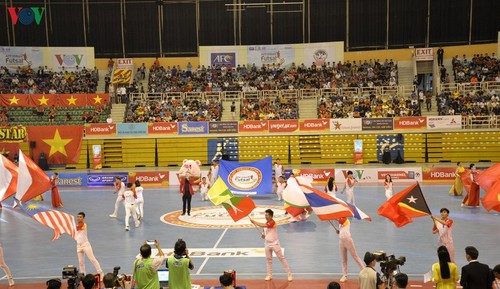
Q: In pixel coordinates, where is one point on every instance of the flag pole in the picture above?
(330, 221)
(256, 228)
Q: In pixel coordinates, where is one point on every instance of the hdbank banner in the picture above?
(253, 126)
(156, 178)
(410, 122)
(253, 178)
(166, 128)
(345, 124)
(314, 124)
(100, 129)
(132, 129)
(282, 55)
(439, 174)
(319, 176)
(12, 57)
(193, 127)
(68, 58)
(444, 122)
(223, 59)
(105, 179)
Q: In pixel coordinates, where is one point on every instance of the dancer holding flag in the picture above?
(272, 244)
(346, 244)
(443, 227)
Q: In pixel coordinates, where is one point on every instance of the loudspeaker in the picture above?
(32, 144)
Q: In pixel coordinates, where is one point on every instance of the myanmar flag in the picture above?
(219, 192)
(239, 207)
(405, 205)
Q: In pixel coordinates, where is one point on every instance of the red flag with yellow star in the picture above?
(60, 144)
(45, 100)
(73, 100)
(97, 99)
(10, 100)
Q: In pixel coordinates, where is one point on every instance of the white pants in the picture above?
(276, 248)
(130, 209)
(350, 196)
(86, 249)
(348, 245)
(139, 203)
(204, 196)
(119, 199)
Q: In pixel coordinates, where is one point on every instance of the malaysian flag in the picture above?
(58, 221)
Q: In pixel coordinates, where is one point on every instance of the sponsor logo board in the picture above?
(253, 126)
(314, 124)
(286, 125)
(163, 128)
(410, 122)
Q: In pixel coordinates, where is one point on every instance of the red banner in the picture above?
(439, 174)
(253, 126)
(100, 129)
(150, 178)
(163, 128)
(286, 125)
(318, 175)
(47, 100)
(314, 125)
(60, 144)
(410, 122)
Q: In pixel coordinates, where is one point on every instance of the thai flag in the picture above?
(324, 205)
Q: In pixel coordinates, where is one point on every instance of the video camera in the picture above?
(119, 278)
(74, 277)
(389, 265)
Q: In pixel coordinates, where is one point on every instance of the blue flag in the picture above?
(253, 178)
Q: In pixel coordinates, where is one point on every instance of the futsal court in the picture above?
(311, 247)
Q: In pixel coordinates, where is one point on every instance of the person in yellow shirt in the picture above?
(444, 273)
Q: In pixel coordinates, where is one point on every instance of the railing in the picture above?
(477, 122)
(469, 86)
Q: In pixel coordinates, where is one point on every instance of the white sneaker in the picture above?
(113, 216)
(343, 279)
(11, 282)
(268, 277)
(137, 224)
(290, 277)
(127, 228)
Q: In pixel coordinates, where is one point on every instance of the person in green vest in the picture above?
(145, 268)
(178, 265)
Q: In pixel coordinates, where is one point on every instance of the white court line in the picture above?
(215, 246)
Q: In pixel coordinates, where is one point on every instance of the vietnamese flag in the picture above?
(491, 201)
(489, 180)
(60, 144)
(239, 207)
(72, 100)
(11, 100)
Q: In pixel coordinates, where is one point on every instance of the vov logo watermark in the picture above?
(26, 15)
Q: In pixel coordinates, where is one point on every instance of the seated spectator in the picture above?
(333, 285)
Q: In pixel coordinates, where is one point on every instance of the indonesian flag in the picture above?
(32, 181)
(8, 178)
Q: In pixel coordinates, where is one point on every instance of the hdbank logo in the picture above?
(26, 15)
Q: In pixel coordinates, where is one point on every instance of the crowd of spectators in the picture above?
(272, 76)
(479, 68)
(174, 110)
(473, 103)
(265, 108)
(347, 106)
(25, 80)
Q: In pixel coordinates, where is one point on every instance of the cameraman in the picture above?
(369, 278)
(401, 280)
(54, 284)
(145, 269)
(89, 281)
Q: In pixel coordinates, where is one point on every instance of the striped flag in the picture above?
(219, 192)
(58, 221)
(8, 178)
(32, 180)
(324, 205)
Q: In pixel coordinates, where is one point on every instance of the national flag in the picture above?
(8, 178)
(31, 181)
(466, 180)
(489, 177)
(295, 200)
(239, 207)
(219, 192)
(491, 201)
(58, 221)
(358, 214)
(405, 205)
(121, 76)
(60, 144)
(325, 206)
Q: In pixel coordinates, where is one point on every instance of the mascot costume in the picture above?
(189, 176)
